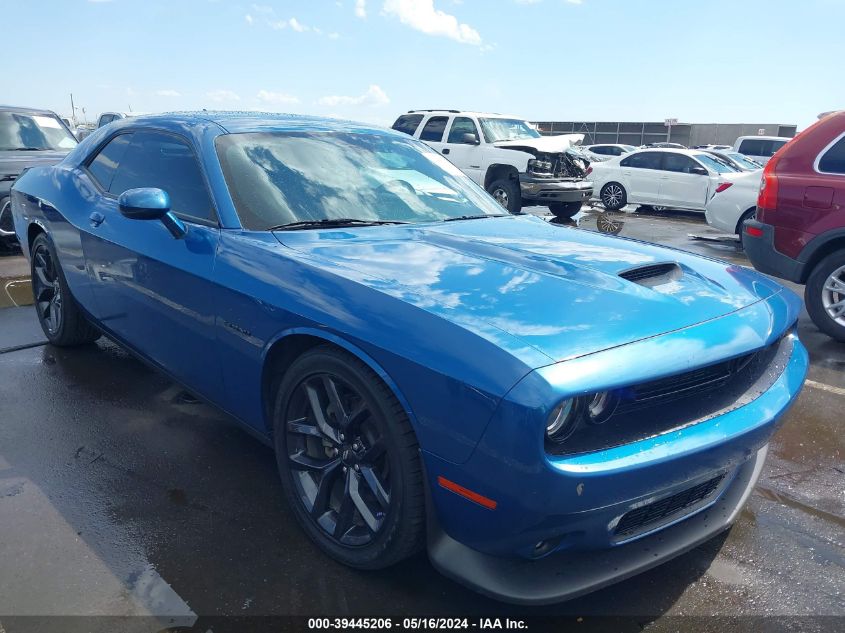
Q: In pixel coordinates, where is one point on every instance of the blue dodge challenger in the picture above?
(546, 410)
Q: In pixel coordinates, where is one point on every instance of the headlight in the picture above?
(563, 421)
(537, 166)
(601, 406)
(567, 416)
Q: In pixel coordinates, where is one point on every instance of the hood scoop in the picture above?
(653, 274)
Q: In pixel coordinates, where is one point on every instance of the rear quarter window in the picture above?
(833, 160)
(408, 123)
(642, 160)
(104, 164)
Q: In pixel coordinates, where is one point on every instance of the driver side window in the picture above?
(154, 159)
(462, 125)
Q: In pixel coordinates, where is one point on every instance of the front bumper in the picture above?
(570, 574)
(571, 509)
(547, 190)
(766, 258)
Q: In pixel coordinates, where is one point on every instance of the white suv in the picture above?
(508, 157)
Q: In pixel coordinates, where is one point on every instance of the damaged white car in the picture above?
(508, 157)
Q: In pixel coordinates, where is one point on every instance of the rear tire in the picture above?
(613, 196)
(62, 320)
(750, 214)
(564, 210)
(349, 460)
(507, 193)
(824, 295)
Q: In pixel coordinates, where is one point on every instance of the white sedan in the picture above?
(674, 178)
(735, 203)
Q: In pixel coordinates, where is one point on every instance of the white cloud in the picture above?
(297, 26)
(374, 96)
(278, 98)
(422, 16)
(220, 96)
(249, 19)
(167, 93)
(333, 35)
(361, 8)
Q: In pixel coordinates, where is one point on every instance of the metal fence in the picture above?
(641, 133)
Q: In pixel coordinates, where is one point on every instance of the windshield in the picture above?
(715, 164)
(277, 178)
(19, 131)
(506, 130)
(744, 160)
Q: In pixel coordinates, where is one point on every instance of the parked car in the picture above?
(28, 137)
(674, 178)
(104, 119)
(733, 202)
(407, 347)
(799, 230)
(717, 148)
(760, 148)
(738, 161)
(507, 156)
(663, 146)
(605, 151)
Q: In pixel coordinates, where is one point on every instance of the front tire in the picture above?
(613, 196)
(507, 193)
(60, 317)
(824, 295)
(349, 460)
(565, 210)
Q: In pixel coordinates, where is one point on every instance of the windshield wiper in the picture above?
(476, 217)
(30, 149)
(328, 223)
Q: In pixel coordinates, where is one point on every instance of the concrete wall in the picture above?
(640, 133)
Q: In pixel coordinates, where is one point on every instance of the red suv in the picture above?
(799, 230)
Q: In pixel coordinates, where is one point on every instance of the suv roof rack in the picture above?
(434, 110)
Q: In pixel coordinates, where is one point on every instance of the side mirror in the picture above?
(700, 171)
(150, 203)
(468, 138)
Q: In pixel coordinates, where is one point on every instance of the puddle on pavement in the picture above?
(16, 293)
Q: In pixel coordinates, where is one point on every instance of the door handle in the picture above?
(96, 218)
(445, 150)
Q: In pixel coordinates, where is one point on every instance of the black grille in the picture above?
(680, 385)
(642, 518)
(660, 273)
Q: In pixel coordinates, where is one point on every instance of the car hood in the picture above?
(553, 288)
(13, 163)
(545, 144)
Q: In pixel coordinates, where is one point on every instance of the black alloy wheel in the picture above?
(46, 289)
(349, 460)
(341, 472)
(60, 317)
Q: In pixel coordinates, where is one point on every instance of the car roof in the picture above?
(672, 150)
(491, 115)
(8, 108)
(238, 122)
(766, 138)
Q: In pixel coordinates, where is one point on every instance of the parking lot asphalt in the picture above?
(121, 494)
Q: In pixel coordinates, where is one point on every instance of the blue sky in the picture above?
(707, 61)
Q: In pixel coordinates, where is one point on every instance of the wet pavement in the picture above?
(120, 494)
